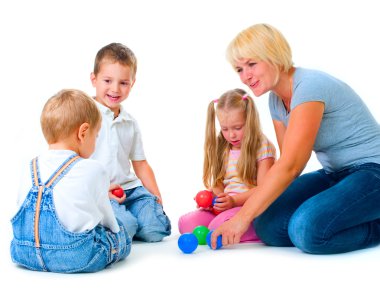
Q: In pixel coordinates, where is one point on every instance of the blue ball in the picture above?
(214, 200)
(218, 240)
(188, 242)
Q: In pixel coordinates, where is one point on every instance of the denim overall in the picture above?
(41, 243)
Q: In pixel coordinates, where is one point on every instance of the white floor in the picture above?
(180, 46)
(254, 266)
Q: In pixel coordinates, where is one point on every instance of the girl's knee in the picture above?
(189, 221)
(223, 217)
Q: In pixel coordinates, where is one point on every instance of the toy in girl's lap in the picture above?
(204, 198)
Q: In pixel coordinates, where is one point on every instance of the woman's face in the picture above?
(259, 76)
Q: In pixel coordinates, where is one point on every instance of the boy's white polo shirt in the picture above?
(119, 141)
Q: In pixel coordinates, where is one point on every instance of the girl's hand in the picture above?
(231, 231)
(203, 208)
(203, 200)
(223, 202)
(112, 196)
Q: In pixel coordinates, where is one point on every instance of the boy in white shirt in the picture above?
(65, 222)
(119, 144)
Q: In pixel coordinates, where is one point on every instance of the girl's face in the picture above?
(259, 76)
(232, 124)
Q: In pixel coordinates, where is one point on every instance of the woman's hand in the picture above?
(231, 231)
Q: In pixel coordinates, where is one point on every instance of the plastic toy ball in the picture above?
(214, 211)
(201, 233)
(204, 198)
(119, 192)
(187, 243)
(218, 241)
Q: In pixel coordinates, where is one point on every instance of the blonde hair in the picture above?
(116, 53)
(216, 147)
(261, 42)
(64, 112)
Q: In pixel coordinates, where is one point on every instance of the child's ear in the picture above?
(83, 131)
(133, 82)
(93, 79)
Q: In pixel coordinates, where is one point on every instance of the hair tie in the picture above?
(245, 97)
(215, 101)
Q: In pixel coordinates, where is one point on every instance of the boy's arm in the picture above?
(145, 173)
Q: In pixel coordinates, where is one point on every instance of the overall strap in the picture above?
(37, 182)
(35, 172)
(57, 174)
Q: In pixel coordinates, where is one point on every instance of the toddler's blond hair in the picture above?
(65, 112)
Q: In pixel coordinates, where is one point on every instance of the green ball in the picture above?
(201, 233)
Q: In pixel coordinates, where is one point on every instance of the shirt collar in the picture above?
(123, 115)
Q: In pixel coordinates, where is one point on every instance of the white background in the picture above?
(180, 45)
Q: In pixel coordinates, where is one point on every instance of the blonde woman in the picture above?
(332, 210)
(235, 160)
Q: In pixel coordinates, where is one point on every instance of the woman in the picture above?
(332, 210)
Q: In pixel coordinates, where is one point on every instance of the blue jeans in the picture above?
(142, 216)
(322, 213)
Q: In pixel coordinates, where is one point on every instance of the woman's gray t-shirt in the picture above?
(348, 134)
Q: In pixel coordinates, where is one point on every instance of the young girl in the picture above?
(235, 160)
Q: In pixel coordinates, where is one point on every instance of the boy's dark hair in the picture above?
(116, 52)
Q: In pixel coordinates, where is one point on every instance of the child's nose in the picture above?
(115, 87)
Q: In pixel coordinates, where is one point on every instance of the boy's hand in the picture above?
(113, 196)
(159, 200)
(224, 202)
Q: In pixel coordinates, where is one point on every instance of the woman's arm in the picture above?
(280, 130)
(145, 173)
(297, 145)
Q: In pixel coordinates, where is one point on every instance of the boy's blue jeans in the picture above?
(322, 213)
(142, 216)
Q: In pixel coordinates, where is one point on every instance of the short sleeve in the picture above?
(316, 88)
(137, 151)
(273, 107)
(267, 150)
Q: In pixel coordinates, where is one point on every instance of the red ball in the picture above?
(204, 198)
(119, 192)
(215, 212)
